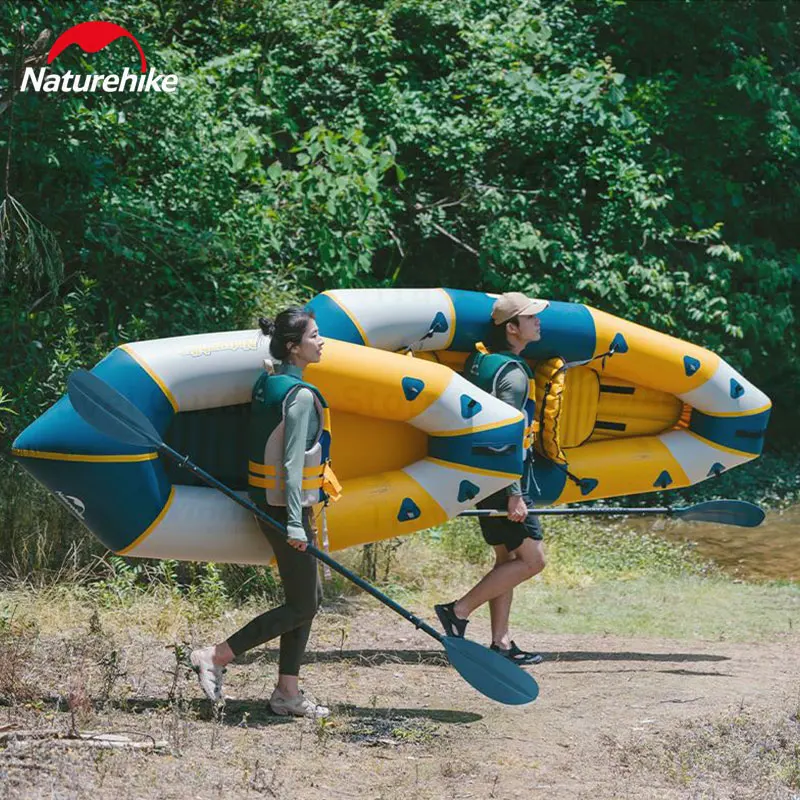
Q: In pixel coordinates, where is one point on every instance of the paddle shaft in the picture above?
(115, 416)
(589, 512)
(321, 555)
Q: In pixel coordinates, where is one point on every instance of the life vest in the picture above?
(266, 478)
(483, 369)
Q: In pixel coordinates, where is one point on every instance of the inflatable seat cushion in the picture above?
(566, 406)
(628, 410)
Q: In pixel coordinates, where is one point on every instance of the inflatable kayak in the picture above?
(622, 409)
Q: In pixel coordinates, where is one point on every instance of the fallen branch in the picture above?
(103, 741)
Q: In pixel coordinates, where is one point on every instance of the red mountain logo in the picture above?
(92, 37)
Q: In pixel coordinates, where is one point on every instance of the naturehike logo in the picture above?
(92, 37)
(74, 504)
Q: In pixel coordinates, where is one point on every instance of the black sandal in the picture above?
(519, 657)
(453, 626)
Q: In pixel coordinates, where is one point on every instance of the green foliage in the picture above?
(581, 550)
(208, 591)
(127, 579)
(578, 549)
(461, 539)
(640, 157)
(5, 408)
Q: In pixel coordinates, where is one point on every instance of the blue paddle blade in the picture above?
(490, 673)
(106, 410)
(725, 512)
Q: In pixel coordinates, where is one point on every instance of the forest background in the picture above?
(641, 157)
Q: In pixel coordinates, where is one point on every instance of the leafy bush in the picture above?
(637, 157)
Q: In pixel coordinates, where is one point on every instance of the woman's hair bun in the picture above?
(267, 326)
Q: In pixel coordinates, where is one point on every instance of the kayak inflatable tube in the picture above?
(413, 444)
(623, 409)
(639, 410)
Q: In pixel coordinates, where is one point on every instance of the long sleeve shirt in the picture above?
(512, 388)
(302, 426)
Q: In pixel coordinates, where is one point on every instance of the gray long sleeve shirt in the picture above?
(512, 388)
(302, 426)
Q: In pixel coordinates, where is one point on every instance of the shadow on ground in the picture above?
(438, 658)
(249, 712)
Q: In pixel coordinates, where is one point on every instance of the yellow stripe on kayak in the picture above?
(749, 413)
(465, 468)
(731, 450)
(449, 301)
(151, 527)
(351, 317)
(149, 370)
(489, 426)
(105, 459)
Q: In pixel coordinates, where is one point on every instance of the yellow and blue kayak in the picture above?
(622, 409)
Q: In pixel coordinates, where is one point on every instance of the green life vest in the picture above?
(483, 369)
(266, 478)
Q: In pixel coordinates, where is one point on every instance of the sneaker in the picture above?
(516, 655)
(453, 626)
(208, 673)
(301, 705)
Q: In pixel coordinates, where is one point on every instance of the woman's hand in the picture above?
(517, 508)
(297, 537)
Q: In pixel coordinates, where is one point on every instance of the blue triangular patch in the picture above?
(737, 390)
(690, 365)
(588, 485)
(716, 469)
(408, 510)
(618, 344)
(412, 387)
(663, 480)
(467, 490)
(469, 406)
(439, 324)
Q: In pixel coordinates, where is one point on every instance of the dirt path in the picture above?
(405, 724)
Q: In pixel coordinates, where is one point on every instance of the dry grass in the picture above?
(111, 656)
(746, 754)
(403, 724)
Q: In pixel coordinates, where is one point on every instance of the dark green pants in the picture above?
(303, 594)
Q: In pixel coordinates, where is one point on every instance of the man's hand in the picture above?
(517, 509)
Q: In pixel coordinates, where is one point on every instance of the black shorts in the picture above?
(501, 530)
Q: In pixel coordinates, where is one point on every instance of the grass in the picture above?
(683, 607)
(106, 649)
(601, 579)
(758, 753)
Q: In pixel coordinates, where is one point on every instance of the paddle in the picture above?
(106, 410)
(723, 512)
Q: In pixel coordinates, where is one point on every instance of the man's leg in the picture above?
(500, 607)
(528, 561)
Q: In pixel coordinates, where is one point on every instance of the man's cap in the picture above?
(516, 304)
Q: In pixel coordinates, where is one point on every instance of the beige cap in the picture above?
(516, 304)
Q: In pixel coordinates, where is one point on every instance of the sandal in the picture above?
(453, 626)
(519, 657)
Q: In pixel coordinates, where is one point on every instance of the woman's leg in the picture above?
(292, 620)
